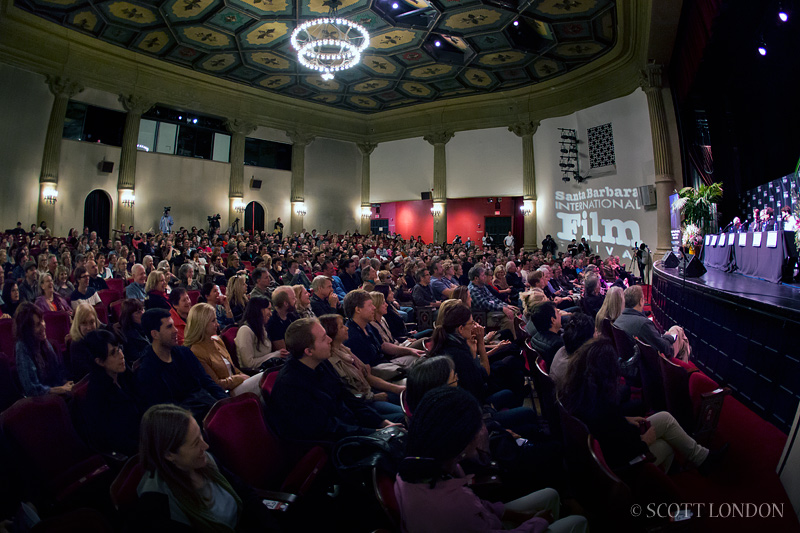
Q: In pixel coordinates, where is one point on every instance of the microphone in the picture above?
(728, 226)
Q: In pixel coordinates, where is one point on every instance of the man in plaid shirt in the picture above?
(484, 300)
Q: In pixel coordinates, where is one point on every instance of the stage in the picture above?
(744, 334)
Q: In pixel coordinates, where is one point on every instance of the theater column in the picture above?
(526, 130)
(126, 177)
(239, 130)
(300, 140)
(665, 183)
(439, 140)
(63, 89)
(366, 149)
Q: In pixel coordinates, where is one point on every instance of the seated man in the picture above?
(309, 400)
(545, 333)
(170, 373)
(323, 300)
(83, 292)
(515, 281)
(422, 294)
(95, 281)
(632, 321)
(327, 270)
(261, 279)
(295, 275)
(483, 300)
(135, 291)
(365, 342)
(283, 306)
(29, 287)
(441, 285)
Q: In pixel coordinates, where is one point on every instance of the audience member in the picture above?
(83, 293)
(544, 327)
(130, 331)
(39, 369)
(579, 330)
(302, 302)
(63, 286)
(95, 281)
(136, 289)
(262, 281)
(80, 357)
(187, 279)
(179, 305)
(632, 321)
(10, 298)
(156, 289)
(613, 305)
(50, 300)
(283, 305)
(236, 295)
(324, 300)
(483, 300)
(29, 286)
(421, 294)
(592, 299)
(253, 345)
(211, 295)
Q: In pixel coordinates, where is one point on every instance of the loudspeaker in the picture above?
(693, 269)
(255, 184)
(426, 195)
(106, 166)
(671, 260)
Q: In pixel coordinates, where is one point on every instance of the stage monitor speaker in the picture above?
(671, 260)
(693, 269)
(106, 166)
(255, 184)
(425, 195)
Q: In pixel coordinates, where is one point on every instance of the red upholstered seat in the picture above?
(57, 325)
(229, 337)
(116, 284)
(268, 383)
(107, 296)
(240, 439)
(115, 310)
(7, 339)
(383, 487)
(102, 313)
(194, 296)
(123, 489)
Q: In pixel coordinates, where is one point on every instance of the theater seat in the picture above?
(123, 488)
(7, 339)
(107, 296)
(268, 381)
(115, 311)
(546, 391)
(57, 324)
(652, 381)
(383, 488)
(240, 439)
(228, 338)
(116, 284)
(194, 296)
(10, 390)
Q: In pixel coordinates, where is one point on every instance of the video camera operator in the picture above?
(166, 221)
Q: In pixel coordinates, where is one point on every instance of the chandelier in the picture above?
(329, 44)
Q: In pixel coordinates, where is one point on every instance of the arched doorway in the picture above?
(253, 217)
(97, 213)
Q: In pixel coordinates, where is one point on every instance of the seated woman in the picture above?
(121, 269)
(210, 294)
(63, 286)
(357, 376)
(10, 298)
(40, 370)
(182, 489)
(156, 289)
(303, 302)
(461, 339)
(187, 278)
(252, 343)
(112, 410)
(129, 330)
(236, 294)
(592, 298)
(591, 392)
(233, 267)
(613, 305)
(431, 487)
(201, 337)
(80, 358)
(50, 300)
(382, 326)
(500, 284)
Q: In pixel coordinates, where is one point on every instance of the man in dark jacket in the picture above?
(172, 374)
(633, 322)
(322, 296)
(545, 337)
(309, 401)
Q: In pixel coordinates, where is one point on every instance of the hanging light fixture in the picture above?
(50, 195)
(128, 198)
(239, 205)
(329, 44)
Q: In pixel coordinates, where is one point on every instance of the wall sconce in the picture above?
(437, 209)
(128, 198)
(50, 195)
(300, 209)
(366, 211)
(526, 207)
(239, 205)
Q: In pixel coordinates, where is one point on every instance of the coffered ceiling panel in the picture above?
(420, 50)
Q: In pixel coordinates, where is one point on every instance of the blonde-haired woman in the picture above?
(81, 361)
(121, 269)
(612, 307)
(201, 337)
(237, 296)
(303, 305)
(379, 323)
(156, 290)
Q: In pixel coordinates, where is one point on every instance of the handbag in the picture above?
(384, 449)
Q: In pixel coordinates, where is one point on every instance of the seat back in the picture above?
(708, 399)
(268, 381)
(676, 393)
(107, 296)
(425, 318)
(116, 284)
(102, 313)
(194, 296)
(519, 327)
(228, 337)
(7, 339)
(546, 390)
(124, 488)
(480, 317)
(115, 310)
(383, 487)
(652, 381)
(623, 342)
(10, 389)
(607, 330)
(57, 325)
(240, 439)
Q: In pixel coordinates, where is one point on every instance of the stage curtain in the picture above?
(696, 28)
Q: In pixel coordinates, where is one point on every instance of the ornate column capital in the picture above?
(134, 104)
(299, 137)
(62, 86)
(522, 129)
(439, 137)
(650, 78)
(367, 147)
(240, 126)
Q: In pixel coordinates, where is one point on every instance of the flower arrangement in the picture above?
(692, 236)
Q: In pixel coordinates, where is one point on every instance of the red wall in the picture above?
(465, 217)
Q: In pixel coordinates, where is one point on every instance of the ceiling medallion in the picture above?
(329, 44)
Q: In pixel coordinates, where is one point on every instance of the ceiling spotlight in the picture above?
(565, 179)
(437, 44)
(762, 49)
(194, 121)
(395, 6)
(516, 23)
(783, 15)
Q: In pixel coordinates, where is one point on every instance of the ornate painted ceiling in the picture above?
(485, 45)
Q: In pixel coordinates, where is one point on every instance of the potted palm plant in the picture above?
(699, 209)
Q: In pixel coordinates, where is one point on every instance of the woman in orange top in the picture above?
(50, 300)
(201, 337)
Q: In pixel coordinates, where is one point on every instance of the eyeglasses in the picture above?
(453, 382)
